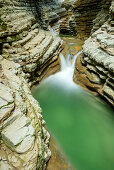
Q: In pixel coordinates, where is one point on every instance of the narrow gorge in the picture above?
(56, 56)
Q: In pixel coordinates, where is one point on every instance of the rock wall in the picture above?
(23, 41)
(95, 67)
(27, 55)
(83, 14)
(23, 139)
(52, 12)
(67, 25)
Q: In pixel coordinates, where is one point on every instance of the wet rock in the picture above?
(80, 20)
(27, 55)
(109, 91)
(23, 143)
(98, 61)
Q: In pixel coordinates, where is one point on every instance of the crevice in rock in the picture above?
(1, 46)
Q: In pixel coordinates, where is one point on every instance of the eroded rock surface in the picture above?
(24, 140)
(83, 15)
(95, 68)
(27, 55)
(24, 42)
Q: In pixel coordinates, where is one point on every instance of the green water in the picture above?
(82, 124)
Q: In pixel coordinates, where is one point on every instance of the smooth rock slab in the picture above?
(6, 101)
(19, 135)
(5, 95)
(5, 166)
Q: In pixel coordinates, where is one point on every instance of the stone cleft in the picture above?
(84, 17)
(95, 68)
(28, 54)
(24, 42)
(23, 143)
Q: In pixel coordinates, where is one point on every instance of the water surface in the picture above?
(81, 122)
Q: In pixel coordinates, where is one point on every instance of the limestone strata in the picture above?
(24, 140)
(102, 16)
(95, 68)
(27, 55)
(52, 12)
(23, 42)
(83, 14)
(67, 25)
(47, 11)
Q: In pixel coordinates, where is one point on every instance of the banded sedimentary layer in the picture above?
(83, 14)
(52, 11)
(95, 67)
(23, 140)
(27, 55)
(24, 42)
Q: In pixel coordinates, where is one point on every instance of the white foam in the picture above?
(64, 78)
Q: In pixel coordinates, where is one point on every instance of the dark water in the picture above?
(82, 124)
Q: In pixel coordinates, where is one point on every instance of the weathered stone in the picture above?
(6, 101)
(5, 166)
(98, 51)
(24, 42)
(109, 91)
(19, 135)
(83, 19)
(21, 131)
(30, 67)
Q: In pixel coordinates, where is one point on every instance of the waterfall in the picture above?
(63, 62)
(64, 78)
(69, 61)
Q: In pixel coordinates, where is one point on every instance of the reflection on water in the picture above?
(82, 124)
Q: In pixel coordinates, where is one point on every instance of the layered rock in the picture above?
(52, 12)
(67, 25)
(83, 14)
(47, 11)
(22, 41)
(95, 68)
(27, 54)
(24, 140)
(102, 16)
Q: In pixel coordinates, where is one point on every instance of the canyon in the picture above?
(95, 68)
(29, 52)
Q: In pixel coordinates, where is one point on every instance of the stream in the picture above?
(81, 123)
